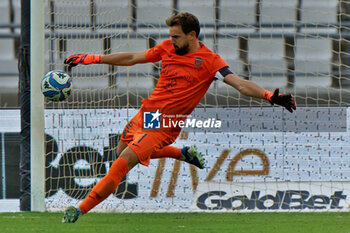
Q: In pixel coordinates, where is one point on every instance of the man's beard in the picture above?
(183, 50)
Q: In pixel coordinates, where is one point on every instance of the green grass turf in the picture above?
(179, 222)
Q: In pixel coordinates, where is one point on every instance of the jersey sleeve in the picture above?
(222, 73)
(155, 54)
(217, 64)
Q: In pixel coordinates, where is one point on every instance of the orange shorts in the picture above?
(145, 142)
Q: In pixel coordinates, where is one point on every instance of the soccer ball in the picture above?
(56, 85)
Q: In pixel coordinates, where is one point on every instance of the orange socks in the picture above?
(119, 169)
(106, 186)
(167, 152)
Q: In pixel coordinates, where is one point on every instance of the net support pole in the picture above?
(24, 86)
(37, 64)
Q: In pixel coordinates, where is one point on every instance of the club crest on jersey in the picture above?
(198, 61)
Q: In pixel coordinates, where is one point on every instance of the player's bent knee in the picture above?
(130, 157)
(120, 147)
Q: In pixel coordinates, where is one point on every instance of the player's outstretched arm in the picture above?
(117, 59)
(252, 89)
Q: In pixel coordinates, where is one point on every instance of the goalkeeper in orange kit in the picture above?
(188, 69)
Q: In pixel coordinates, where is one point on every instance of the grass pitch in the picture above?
(180, 222)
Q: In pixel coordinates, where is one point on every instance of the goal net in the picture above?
(262, 158)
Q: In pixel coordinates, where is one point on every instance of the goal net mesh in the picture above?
(264, 158)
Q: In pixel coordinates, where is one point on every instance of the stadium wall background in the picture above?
(10, 171)
(327, 121)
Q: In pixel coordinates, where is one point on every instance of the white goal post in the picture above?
(37, 65)
(263, 159)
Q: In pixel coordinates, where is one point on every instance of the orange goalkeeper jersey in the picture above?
(184, 79)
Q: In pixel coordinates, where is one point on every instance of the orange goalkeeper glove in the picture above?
(285, 100)
(82, 59)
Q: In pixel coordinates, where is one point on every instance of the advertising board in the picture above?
(257, 162)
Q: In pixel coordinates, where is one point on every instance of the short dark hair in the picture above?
(187, 21)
